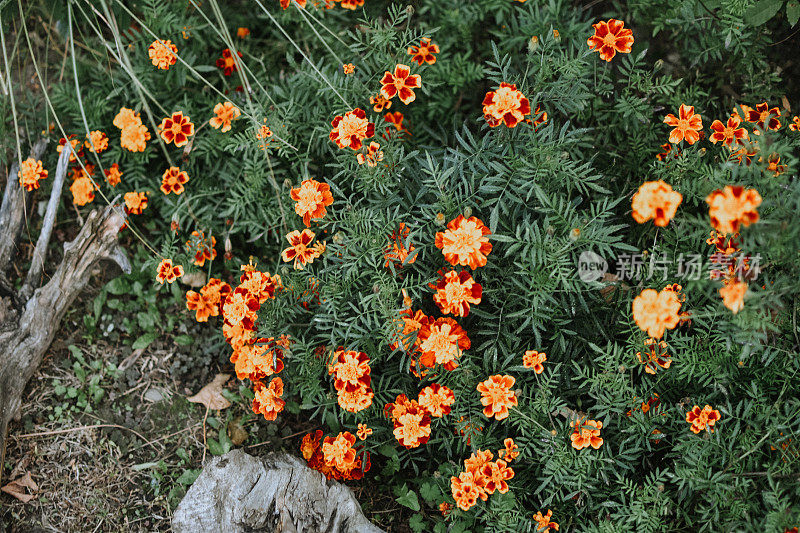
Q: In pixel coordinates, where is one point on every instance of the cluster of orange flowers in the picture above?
(412, 418)
(352, 379)
(133, 134)
(208, 302)
(336, 457)
(482, 476)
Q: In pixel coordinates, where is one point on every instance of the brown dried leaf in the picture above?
(211, 395)
(17, 488)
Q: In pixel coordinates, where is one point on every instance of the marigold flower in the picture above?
(465, 242)
(733, 207)
(764, 117)
(586, 433)
(687, 127)
(441, 341)
(134, 138)
(733, 295)
(795, 125)
(667, 147)
(424, 53)
(203, 248)
(168, 272)
(396, 252)
(82, 190)
(113, 175)
(350, 4)
(267, 399)
(465, 490)
(379, 103)
(436, 399)
(242, 32)
(363, 431)
(544, 523)
(506, 106)
(373, 155)
(348, 68)
(262, 285)
(728, 133)
(702, 419)
(533, 359)
(176, 128)
(401, 84)
(339, 451)
(285, 3)
(408, 323)
(356, 400)
(476, 461)
(455, 292)
(445, 508)
(300, 252)
(497, 396)
(266, 357)
(77, 147)
(227, 63)
(656, 311)
(350, 129)
(609, 38)
(162, 54)
(312, 198)
(351, 370)
(135, 202)
(127, 118)
(396, 120)
(510, 452)
(655, 201)
(30, 172)
(173, 179)
(198, 303)
(656, 356)
(774, 164)
(96, 141)
(240, 307)
(745, 154)
(225, 113)
(497, 473)
(412, 422)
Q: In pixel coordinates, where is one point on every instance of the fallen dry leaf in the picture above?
(211, 395)
(17, 488)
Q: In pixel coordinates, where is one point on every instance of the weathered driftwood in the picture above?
(237, 492)
(31, 316)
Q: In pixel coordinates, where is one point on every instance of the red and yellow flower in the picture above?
(497, 396)
(96, 141)
(533, 359)
(455, 292)
(544, 523)
(82, 190)
(609, 38)
(687, 127)
(162, 54)
(300, 250)
(168, 272)
(30, 172)
(135, 202)
(351, 129)
(424, 53)
(224, 114)
(655, 200)
(764, 117)
(267, 400)
(506, 105)
(227, 62)
(465, 242)
(586, 433)
(173, 180)
(312, 198)
(656, 311)
(729, 133)
(113, 175)
(733, 207)
(401, 83)
(701, 419)
(176, 128)
(436, 399)
(441, 341)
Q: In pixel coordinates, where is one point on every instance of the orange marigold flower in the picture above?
(363, 431)
(257, 359)
(774, 164)
(355, 400)
(207, 302)
(396, 120)
(135, 202)
(173, 179)
(373, 155)
(441, 341)
(733, 207)
(300, 252)
(242, 32)
(506, 106)
(113, 175)
(285, 3)
(655, 201)
(656, 311)
(350, 4)
(77, 148)
(82, 190)
(240, 307)
(445, 508)
(745, 154)
(408, 323)
(267, 399)
(312, 198)
(348, 68)
(656, 356)
(497, 396)
(609, 38)
(30, 172)
(466, 490)
(733, 295)
(195, 301)
(702, 419)
(127, 118)
(168, 272)
(134, 138)
(396, 252)
(225, 113)
(203, 248)
(401, 84)
(455, 292)
(687, 127)
(497, 473)
(728, 133)
(436, 399)
(795, 125)
(667, 147)
(379, 103)
(544, 523)
(176, 128)
(339, 451)
(96, 141)
(424, 53)
(476, 461)
(764, 117)
(350, 129)
(465, 242)
(586, 433)
(162, 54)
(227, 63)
(412, 422)
(533, 359)
(510, 452)
(262, 285)
(351, 370)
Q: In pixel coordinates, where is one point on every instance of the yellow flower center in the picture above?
(610, 39)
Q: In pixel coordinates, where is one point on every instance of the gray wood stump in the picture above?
(237, 492)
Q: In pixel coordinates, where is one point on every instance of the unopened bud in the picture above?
(533, 44)
(467, 212)
(440, 219)
(556, 36)
(574, 234)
